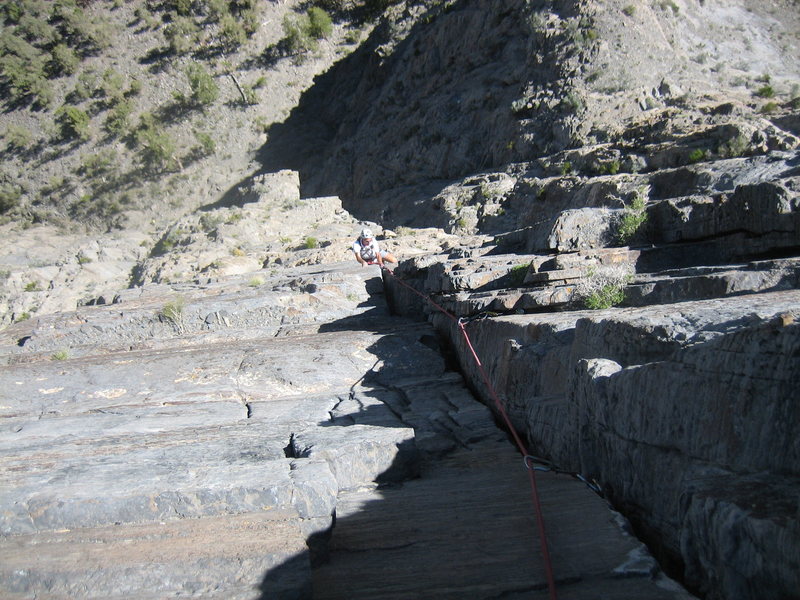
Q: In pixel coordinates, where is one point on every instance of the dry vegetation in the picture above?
(113, 109)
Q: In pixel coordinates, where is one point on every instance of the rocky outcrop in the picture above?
(683, 412)
(680, 402)
(444, 91)
(290, 440)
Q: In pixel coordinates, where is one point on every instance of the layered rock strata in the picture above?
(290, 441)
(681, 402)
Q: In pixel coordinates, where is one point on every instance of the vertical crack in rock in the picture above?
(293, 450)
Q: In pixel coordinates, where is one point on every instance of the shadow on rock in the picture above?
(373, 458)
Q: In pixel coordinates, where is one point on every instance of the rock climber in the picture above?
(368, 252)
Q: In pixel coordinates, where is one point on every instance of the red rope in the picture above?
(517, 439)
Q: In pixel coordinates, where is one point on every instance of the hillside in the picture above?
(169, 102)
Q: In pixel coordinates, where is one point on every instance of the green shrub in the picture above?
(633, 217)
(250, 21)
(669, 4)
(93, 165)
(156, 148)
(765, 91)
(41, 92)
(735, 146)
(112, 86)
(73, 122)
(517, 275)
(168, 242)
(573, 103)
(32, 286)
(604, 286)
(63, 60)
(296, 36)
(85, 86)
(250, 95)
(607, 168)
(12, 11)
(22, 70)
(302, 32)
(117, 121)
(38, 31)
(231, 33)
(173, 313)
(239, 6)
(183, 7)
(181, 35)
(18, 138)
(10, 195)
(210, 221)
(15, 45)
(205, 90)
(769, 108)
(606, 297)
(319, 23)
(311, 242)
(134, 89)
(206, 143)
(79, 29)
(147, 19)
(697, 155)
(217, 9)
(60, 355)
(629, 10)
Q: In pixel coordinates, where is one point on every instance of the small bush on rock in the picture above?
(206, 143)
(769, 108)
(697, 155)
(735, 146)
(604, 286)
(765, 91)
(517, 274)
(173, 313)
(633, 217)
(60, 355)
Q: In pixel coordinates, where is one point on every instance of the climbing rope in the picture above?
(461, 324)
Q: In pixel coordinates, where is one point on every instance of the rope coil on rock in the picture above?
(461, 323)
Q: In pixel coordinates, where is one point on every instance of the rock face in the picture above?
(682, 402)
(684, 413)
(287, 441)
(443, 92)
(246, 419)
